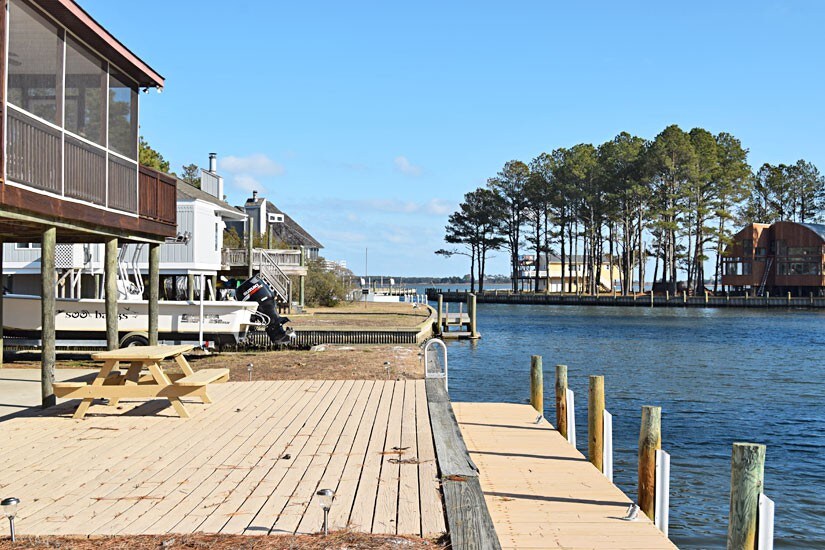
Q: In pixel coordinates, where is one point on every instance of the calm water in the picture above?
(719, 375)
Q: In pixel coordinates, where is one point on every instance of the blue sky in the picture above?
(368, 121)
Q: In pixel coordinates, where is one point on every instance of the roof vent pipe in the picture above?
(254, 195)
(213, 163)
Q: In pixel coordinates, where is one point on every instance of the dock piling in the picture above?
(440, 313)
(561, 399)
(595, 422)
(747, 473)
(471, 312)
(650, 440)
(536, 384)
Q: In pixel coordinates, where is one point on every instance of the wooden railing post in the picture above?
(747, 472)
(595, 422)
(650, 440)
(536, 384)
(561, 399)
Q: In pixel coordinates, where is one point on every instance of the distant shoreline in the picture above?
(609, 300)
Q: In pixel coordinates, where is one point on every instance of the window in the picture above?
(803, 251)
(26, 246)
(122, 115)
(761, 251)
(747, 247)
(85, 105)
(736, 267)
(799, 268)
(35, 52)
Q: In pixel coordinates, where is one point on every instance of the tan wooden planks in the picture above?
(541, 492)
(139, 469)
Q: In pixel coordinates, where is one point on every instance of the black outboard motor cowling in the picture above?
(256, 289)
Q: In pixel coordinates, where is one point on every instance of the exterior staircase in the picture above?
(268, 270)
(763, 284)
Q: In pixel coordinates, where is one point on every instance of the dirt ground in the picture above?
(330, 362)
(334, 541)
(365, 315)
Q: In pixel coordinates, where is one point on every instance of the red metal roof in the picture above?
(75, 18)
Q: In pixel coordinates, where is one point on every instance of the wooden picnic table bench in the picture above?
(113, 385)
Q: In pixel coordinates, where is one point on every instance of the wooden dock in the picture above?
(540, 491)
(249, 463)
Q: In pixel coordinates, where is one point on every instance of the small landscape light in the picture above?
(325, 497)
(249, 369)
(9, 506)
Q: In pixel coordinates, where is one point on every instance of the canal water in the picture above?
(720, 375)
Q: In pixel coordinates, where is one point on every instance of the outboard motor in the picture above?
(256, 289)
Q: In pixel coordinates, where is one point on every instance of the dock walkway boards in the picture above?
(250, 463)
(540, 491)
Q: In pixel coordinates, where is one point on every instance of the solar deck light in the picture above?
(325, 497)
(249, 370)
(9, 506)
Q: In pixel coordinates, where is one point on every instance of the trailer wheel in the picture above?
(134, 339)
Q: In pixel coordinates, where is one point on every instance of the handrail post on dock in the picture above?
(746, 484)
(536, 384)
(561, 399)
(595, 422)
(650, 440)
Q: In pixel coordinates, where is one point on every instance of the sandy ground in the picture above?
(334, 541)
(331, 362)
(354, 315)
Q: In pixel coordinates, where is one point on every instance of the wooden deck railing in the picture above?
(45, 158)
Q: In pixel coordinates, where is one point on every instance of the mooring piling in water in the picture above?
(650, 440)
(595, 422)
(440, 313)
(747, 473)
(471, 312)
(561, 399)
(536, 384)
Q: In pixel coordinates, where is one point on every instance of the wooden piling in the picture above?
(650, 440)
(154, 291)
(595, 422)
(747, 473)
(440, 313)
(536, 384)
(48, 278)
(471, 311)
(110, 289)
(561, 399)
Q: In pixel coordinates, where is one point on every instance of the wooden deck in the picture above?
(541, 492)
(249, 463)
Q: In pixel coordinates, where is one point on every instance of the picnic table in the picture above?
(114, 385)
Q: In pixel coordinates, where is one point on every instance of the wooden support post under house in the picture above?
(110, 290)
(48, 278)
(190, 287)
(154, 292)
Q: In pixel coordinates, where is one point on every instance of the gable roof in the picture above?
(188, 192)
(290, 231)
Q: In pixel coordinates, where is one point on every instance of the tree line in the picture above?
(672, 199)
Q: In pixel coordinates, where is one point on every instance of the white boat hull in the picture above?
(22, 313)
